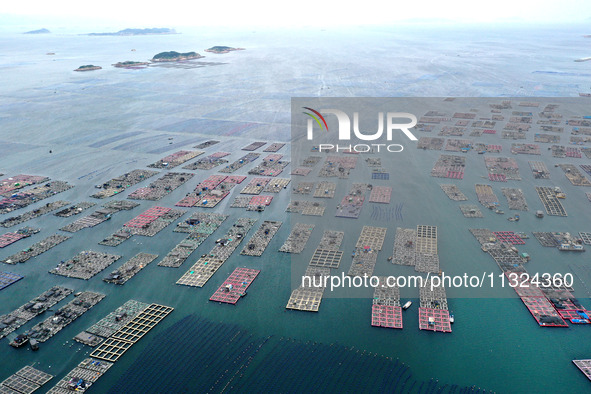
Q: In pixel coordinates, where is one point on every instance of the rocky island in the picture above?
(131, 64)
(173, 56)
(138, 32)
(88, 67)
(40, 31)
(222, 49)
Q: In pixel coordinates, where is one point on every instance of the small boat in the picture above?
(34, 345)
(390, 258)
(407, 305)
(451, 318)
(20, 340)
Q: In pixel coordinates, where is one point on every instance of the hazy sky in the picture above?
(170, 13)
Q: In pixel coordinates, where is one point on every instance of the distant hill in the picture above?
(137, 32)
(173, 56)
(40, 31)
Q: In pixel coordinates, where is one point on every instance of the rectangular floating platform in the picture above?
(505, 168)
(380, 194)
(352, 203)
(211, 191)
(85, 265)
(515, 198)
(386, 310)
(575, 176)
(486, 196)
(338, 166)
(449, 166)
(308, 298)
(36, 249)
(543, 311)
(175, 159)
(453, 192)
(209, 162)
(10, 238)
(240, 162)
(8, 278)
(235, 286)
(509, 237)
(25, 198)
(471, 211)
(434, 320)
(585, 237)
(89, 370)
(298, 238)
(326, 258)
(111, 323)
(121, 183)
(130, 268)
(384, 176)
(584, 366)
(118, 343)
(51, 206)
(260, 240)
(387, 316)
(255, 186)
(65, 315)
(405, 246)
(274, 147)
(324, 189)
(161, 186)
(9, 185)
(99, 216)
(75, 209)
(539, 170)
(366, 251)
(205, 267)
(277, 184)
(272, 165)
(25, 381)
(301, 171)
(206, 144)
(551, 203)
(20, 316)
(253, 146)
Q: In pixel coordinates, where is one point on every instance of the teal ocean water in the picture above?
(103, 123)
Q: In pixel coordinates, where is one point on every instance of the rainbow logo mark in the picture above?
(316, 117)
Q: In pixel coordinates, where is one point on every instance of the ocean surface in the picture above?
(103, 123)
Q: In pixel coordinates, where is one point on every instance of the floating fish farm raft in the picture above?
(501, 169)
(9, 185)
(277, 184)
(449, 166)
(550, 200)
(122, 182)
(8, 278)
(99, 216)
(298, 238)
(453, 192)
(244, 160)
(175, 159)
(209, 162)
(539, 170)
(75, 209)
(65, 315)
(304, 188)
(255, 186)
(20, 316)
(430, 143)
(366, 250)
(206, 266)
(51, 206)
(148, 224)
(404, 246)
(124, 338)
(206, 144)
(573, 174)
(486, 196)
(253, 146)
(25, 381)
(85, 265)
(584, 366)
(111, 323)
(525, 149)
(426, 258)
(81, 377)
(130, 268)
(433, 312)
(385, 308)
(380, 194)
(325, 190)
(235, 286)
(272, 165)
(309, 296)
(10, 238)
(337, 166)
(515, 198)
(211, 191)
(274, 147)
(260, 240)
(458, 145)
(36, 249)
(25, 198)
(352, 203)
(471, 211)
(161, 186)
(309, 208)
(199, 226)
